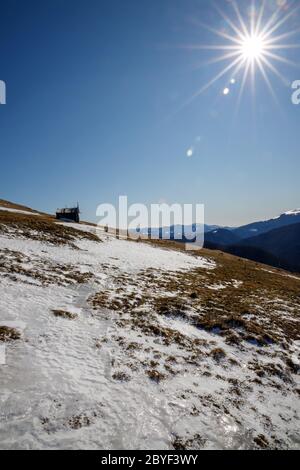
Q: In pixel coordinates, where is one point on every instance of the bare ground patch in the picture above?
(64, 314)
(9, 334)
(19, 267)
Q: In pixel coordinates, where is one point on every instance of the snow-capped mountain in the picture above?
(274, 241)
(293, 212)
(257, 228)
(224, 236)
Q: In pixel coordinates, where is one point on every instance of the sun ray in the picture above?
(283, 46)
(216, 31)
(223, 57)
(269, 23)
(260, 17)
(252, 70)
(252, 18)
(215, 60)
(282, 36)
(275, 71)
(239, 16)
(243, 84)
(280, 23)
(218, 47)
(228, 20)
(266, 78)
(279, 58)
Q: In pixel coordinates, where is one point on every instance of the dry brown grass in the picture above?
(14, 263)
(217, 354)
(261, 308)
(12, 205)
(170, 307)
(64, 314)
(194, 443)
(42, 228)
(121, 303)
(80, 421)
(121, 376)
(155, 375)
(261, 441)
(147, 324)
(9, 334)
(264, 308)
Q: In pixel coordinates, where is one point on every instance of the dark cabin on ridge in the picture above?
(68, 213)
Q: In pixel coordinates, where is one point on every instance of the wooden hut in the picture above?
(68, 213)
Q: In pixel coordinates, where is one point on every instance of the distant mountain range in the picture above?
(279, 247)
(257, 228)
(176, 231)
(275, 241)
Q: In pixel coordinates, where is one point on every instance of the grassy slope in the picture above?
(248, 313)
(42, 228)
(12, 205)
(257, 311)
(224, 309)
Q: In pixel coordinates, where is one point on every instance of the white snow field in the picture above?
(94, 366)
(17, 211)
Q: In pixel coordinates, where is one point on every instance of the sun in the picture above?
(253, 47)
(250, 46)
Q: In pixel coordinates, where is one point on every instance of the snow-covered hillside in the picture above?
(114, 344)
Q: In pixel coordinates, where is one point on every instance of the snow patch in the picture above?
(18, 211)
(293, 212)
(81, 384)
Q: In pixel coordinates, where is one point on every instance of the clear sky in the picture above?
(99, 105)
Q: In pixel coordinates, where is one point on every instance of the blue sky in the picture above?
(96, 94)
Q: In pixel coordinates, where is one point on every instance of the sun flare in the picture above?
(253, 47)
